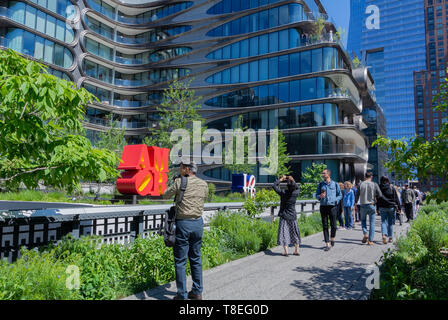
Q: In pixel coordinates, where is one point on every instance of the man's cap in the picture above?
(189, 163)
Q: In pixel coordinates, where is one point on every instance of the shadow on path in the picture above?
(343, 280)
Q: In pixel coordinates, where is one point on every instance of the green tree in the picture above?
(113, 139)
(179, 108)
(235, 167)
(311, 178)
(41, 120)
(418, 158)
(283, 157)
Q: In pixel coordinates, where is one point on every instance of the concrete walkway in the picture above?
(339, 274)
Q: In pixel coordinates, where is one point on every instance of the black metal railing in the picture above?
(120, 224)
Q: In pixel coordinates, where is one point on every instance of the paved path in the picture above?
(315, 274)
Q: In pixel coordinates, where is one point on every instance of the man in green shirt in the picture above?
(189, 230)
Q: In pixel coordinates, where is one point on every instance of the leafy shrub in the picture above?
(244, 234)
(417, 269)
(35, 276)
(432, 230)
(263, 199)
(211, 191)
(310, 224)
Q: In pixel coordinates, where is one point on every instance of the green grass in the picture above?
(116, 271)
(417, 270)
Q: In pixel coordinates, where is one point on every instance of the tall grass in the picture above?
(417, 269)
(113, 271)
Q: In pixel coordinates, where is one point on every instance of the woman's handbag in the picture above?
(169, 228)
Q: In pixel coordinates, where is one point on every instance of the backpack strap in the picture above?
(182, 188)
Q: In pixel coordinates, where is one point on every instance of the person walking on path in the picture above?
(288, 228)
(189, 230)
(329, 194)
(356, 214)
(400, 207)
(369, 191)
(349, 202)
(341, 207)
(408, 198)
(388, 205)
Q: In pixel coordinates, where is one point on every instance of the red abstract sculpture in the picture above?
(145, 172)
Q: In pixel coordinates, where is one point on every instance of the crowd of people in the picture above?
(347, 204)
(341, 203)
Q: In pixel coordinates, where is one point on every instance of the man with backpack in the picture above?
(189, 228)
(369, 192)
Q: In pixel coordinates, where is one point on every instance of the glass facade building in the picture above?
(427, 81)
(248, 58)
(393, 52)
(357, 10)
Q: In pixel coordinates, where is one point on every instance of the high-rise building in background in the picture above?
(357, 10)
(393, 52)
(427, 82)
(258, 59)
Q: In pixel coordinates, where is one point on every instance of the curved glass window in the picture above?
(108, 75)
(271, 18)
(282, 92)
(266, 43)
(62, 7)
(142, 38)
(42, 49)
(59, 74)
(315, 115)
(125, 101)
(315, 60)
(106, 52)
(102, 7)
(155, 14)
(38, 20)
(229, 6)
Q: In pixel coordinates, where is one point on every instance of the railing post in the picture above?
(75, 228)
(272, 214)
(137, 226)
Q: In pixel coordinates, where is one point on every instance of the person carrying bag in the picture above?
(169, 235)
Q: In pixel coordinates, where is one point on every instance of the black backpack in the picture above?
(169, 228)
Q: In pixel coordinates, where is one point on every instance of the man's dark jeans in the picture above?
(408, 210)
(329, 212)
(188, 244)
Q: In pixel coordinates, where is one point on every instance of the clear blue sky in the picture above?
(339, 10)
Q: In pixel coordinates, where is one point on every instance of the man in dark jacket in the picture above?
(408, 198)
(388, 205)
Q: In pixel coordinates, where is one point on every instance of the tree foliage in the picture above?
(283, 157)
(245, 167)
(41, 120)
(418, 158)
(113, 138)
(178, 110)
(310, 178)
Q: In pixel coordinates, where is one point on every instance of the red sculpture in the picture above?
(145, 172)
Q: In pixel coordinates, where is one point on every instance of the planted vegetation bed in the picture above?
(418, 269)
(115, 271)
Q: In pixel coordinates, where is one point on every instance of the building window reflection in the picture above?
(321, 59)
(283, 118)
(262, 20)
